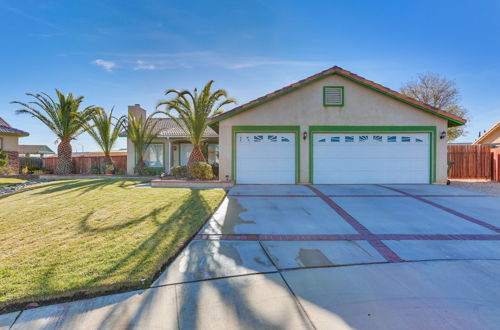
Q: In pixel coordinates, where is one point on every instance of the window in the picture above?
(272, 138)
(258, 138)
(333, 96)
(405, 139)
(349, 139)
(363, 138)
(335, 139)
(391, 138)
(153, 157)
(1, 143)
(377, 138)
(284, 139)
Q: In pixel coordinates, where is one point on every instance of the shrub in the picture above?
(202, 171)
(6, 170)
(215, 169)
(121, 171)
(179, 171)
(4, 159)
(152, 171)
(94, 170)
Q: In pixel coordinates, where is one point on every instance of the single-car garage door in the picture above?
(265, 158)
(371, 158)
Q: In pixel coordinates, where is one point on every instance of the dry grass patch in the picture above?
(88, 236)
(5, 182)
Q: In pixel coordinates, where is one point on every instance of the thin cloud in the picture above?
(106, 65)
(200, 59)
(141, 65)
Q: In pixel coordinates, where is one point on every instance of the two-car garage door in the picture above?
(270, 158)
(371, 158)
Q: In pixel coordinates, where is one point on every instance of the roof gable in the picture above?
(487, 134)
(452, 119)
(6, 129)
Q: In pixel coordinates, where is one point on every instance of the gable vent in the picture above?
(333, 96)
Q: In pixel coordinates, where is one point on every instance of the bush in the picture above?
(179, 171)
(6, 170)
(215, 169)
(152, 171)
(4, 159)
(94, 170)
(202, 171)
(121, 171)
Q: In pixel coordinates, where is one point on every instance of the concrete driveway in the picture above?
(325, 256)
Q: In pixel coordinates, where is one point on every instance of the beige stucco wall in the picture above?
(304, 107)
(492, 138)
(10, 143)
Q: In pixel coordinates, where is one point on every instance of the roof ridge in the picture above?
(348, 75)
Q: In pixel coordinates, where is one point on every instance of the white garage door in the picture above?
(265, 158)
(371, 158)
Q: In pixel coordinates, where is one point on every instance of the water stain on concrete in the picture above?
(233, 217)
(230, 252)
(313, 257)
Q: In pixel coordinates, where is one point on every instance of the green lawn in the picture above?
(5, 182)
(89, 236)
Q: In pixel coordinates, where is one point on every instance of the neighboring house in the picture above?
(172, 147)
(9, 143)
(28, 150)
(492, 136)
(334, 127)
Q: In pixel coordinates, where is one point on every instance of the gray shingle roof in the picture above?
(35, 149)
(167, 127)
(5, 128)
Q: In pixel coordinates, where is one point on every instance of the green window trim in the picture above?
(266, 129)
(431, 130)
(333, 105)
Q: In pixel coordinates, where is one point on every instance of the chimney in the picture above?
(137, 111)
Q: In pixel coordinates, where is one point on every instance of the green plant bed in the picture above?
(76, 238)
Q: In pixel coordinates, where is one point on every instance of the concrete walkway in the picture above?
(326, 256)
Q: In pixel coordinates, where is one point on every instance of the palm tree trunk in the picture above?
(139, 166)
(195, 157)
(108, 160)
(64, 160)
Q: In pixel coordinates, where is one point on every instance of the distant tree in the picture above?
(194, 111)
(63, 117)
(141, 132)
(439, 92)
(105, 129)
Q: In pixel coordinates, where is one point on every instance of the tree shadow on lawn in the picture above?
(132, 263)
(83, 186)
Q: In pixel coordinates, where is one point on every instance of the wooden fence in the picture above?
(470, 161)
(84, 164)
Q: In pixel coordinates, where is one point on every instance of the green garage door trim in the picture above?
(378, 129)
(266, 129)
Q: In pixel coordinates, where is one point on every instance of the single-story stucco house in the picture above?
(491, 137)
(9, 143)
(333, 127)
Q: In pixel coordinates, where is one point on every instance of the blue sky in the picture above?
(118, 53)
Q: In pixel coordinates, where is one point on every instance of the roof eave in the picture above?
(453, 121)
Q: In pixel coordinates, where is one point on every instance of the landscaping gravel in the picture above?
(11, 189)
(487, 187)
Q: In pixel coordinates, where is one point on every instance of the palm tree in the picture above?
(63, 117)
(194, 111)
(105, 129)
(141, 132)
